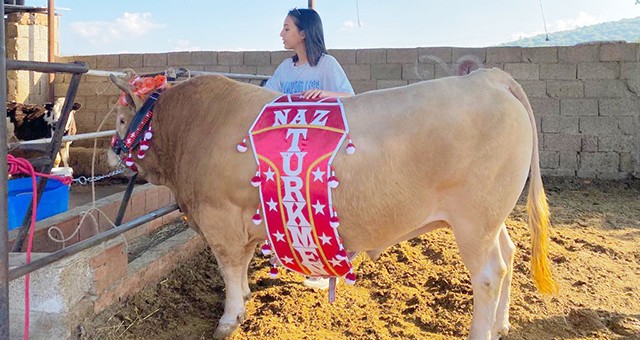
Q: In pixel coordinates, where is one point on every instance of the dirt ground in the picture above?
(420, 289)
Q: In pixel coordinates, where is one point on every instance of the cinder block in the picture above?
(598, 126)
(386, 71)
(613, 175)
(243, 69)
(523, 71)
(417, 71)
(545, 106)
(586, 173)
(630, 70)
(562, 142)
(108, 62)
(579, 53)
(599, 161)
(154, 60)
(257, 58)
(560, 124)
(589, 143)
(266, 70)
(344, 57)
(605, 89)
(230, 58)
(618, 52)
(357, 72)
(558, 71)
(385, 84)
(565, 88)
(549, 159)
(371, 56)
(616, 143)
(278, 56)
(434, 55)
(504, 55)
(204, 58)
(479, 54)
(607, 70)
(361, 86)
(627, 162)
(579, 107)
(534, 88)
(559, 173)
(619, 107)
(569, 160)
(540, 54)
(179, 59)
(402, 55)
(628, 125)
(217, 68)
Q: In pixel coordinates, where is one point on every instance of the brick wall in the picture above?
(27, 39)
(585, 97)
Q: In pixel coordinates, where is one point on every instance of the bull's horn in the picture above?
(123, 85)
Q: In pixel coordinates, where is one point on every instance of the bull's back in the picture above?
(426, 146)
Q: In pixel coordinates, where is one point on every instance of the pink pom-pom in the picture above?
(257, 219)
(242, 146)
(128, 161)
(350, 278)
(333, 182)
(273, 272)
(266, 249)
(256, 181)
(141, 154)
(144, 145)
(134, 168)
(148, 134)
(334, 221)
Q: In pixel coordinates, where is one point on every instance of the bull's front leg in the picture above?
(232, 272)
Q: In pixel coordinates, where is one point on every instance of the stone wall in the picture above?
(585, 97)
(27, 39)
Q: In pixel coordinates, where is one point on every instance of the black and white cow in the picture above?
(36, 121)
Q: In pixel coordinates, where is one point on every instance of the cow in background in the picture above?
(36, 121)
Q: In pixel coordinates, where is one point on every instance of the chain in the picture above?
(82, 180)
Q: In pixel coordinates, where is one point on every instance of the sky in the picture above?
(90, 27)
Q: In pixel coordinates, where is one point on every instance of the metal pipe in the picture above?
(51, 40)
(4, 224)
(229, 75)
(100, 73)
(73, 138)
(44, 67)
(88, 243)
(53, 150)
(125, 199)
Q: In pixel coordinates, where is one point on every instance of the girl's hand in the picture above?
(313, 94)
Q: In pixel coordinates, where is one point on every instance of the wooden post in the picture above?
(312, 4)
(51, 37)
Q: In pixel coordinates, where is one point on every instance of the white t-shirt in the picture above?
(327, 75)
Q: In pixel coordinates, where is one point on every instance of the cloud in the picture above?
(584, 19)
(127, 26)
(350, 25)
(185, 45)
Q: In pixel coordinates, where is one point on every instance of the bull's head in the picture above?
(126, 107)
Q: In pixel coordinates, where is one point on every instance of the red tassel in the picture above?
(144, 145)
(334, 221)
(351, 148)
(266, 249)
(242, 146)
(256, 180)
(141, 154)
(333, 180)
(273, 273)
(128, 161)
(257, 219)
(350, 278)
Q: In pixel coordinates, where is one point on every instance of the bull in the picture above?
(453, 152)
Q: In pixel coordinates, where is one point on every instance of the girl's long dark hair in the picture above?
(309, 21)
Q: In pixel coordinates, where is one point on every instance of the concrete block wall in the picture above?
(27, 39)
(585, 97)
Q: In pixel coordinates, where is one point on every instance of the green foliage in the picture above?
(622, 30)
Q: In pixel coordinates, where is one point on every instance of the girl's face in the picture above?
(292, 38)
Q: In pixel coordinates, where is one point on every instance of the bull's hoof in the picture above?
(224, 330)
(247, 296)
(501, 331)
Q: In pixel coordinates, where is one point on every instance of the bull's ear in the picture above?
(123, 85)
(76, 106)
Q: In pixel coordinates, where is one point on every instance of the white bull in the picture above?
(452, 152)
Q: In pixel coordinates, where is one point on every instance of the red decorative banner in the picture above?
(294, 142)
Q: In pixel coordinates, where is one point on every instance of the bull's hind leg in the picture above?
(480, 251)
(507, 249)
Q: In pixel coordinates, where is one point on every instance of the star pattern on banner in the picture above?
(287, 260)
(279, 236)
(335, 262)
(325, 239)
(273, 205)
(319, 208)
(318, 175)
(269, 173)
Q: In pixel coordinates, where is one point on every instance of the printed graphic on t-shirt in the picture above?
(299, 86)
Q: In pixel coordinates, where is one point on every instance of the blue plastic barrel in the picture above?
(55, 200)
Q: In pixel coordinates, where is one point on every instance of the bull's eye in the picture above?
(122, 121)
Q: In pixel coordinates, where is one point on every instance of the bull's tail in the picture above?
(537, 209)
